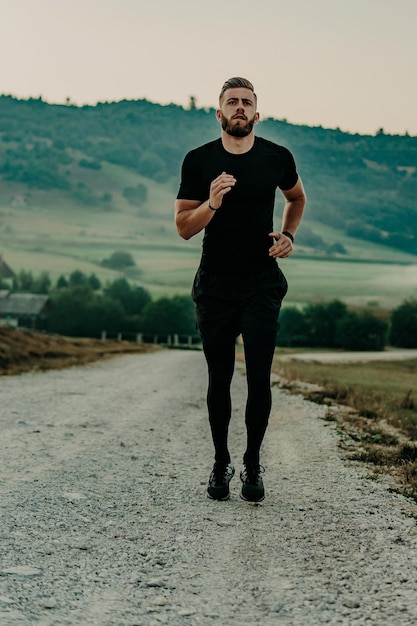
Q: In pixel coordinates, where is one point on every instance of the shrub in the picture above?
(169, 316)
(119, 260)
(322, 320)
(89, 164)
(361, 332)
(403, 331)
(293, 328)
(136, 195)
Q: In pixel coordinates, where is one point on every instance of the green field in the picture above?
(52, 234)
(357, 283)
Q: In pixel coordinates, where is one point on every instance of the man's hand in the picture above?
(219, 187)
(282, 247)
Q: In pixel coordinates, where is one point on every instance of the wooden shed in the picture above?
(22, 309)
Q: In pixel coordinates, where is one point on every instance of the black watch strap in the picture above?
(289, 235)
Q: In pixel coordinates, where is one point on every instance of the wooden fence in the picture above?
(173, 341)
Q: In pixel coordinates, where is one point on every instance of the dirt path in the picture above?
(105, 519)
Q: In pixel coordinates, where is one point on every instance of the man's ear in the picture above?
(218, 115)
(257, 116)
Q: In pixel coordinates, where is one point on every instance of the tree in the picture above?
(77, 278)
(361, 332)
(321, 320)
(293, 328)
(67, 313)
(94, 282)
(133, 299)
(169, 316)
(42, 283)
(336, 248)
(106, 200)
(62, 282)
(403, 330)
(152, 165)
(78, 312)
(89, 164)
(103, 313)
(23, 281)
(136, 196)
(119, 260)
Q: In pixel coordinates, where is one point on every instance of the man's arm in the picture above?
(191, 216)
(291, 218)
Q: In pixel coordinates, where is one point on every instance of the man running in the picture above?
(228, 189)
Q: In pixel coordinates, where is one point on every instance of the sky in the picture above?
(348, 64)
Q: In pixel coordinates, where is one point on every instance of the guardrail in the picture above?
(174, 340)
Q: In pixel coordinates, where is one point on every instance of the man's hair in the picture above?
(234, 82)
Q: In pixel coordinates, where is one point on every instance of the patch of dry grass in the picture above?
(375, 409)
(23, 351)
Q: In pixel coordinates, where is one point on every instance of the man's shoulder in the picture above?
(270, 146)
(206, 148)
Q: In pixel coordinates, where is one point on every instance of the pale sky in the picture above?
(349, 64)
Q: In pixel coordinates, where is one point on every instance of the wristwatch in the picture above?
(287, 234)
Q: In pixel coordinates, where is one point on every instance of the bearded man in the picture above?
(228, 189)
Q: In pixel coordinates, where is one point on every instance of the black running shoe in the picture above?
(220, 477)
(253, 486)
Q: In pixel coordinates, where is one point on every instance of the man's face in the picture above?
(237, 113)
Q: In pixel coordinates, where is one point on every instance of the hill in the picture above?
(363, 185)
(79, 183)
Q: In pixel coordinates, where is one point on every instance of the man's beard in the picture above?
(236, 130)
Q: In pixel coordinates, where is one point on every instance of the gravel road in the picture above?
(105, 519)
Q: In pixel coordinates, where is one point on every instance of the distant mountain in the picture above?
(364, 186)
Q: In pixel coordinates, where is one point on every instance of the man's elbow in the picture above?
(184, 234)
(182, 230)
(301, 199)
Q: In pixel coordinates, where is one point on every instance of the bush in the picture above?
(321, 320)
(119, 260)
(78, 312)
(136, 195)
(361, 332)
(403, 331)
(168, 316)
(331, 325)
(133, 299)
(293, 328)
(89, 164)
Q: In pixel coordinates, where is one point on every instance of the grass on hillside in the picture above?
(381, 428)
(53, 233)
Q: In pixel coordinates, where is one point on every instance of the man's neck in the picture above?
(237, 145)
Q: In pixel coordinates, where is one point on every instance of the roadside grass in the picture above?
(374, 406)
(27, 351)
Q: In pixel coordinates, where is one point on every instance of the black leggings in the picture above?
(259, 345)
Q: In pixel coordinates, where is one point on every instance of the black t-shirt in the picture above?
(237, 235)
